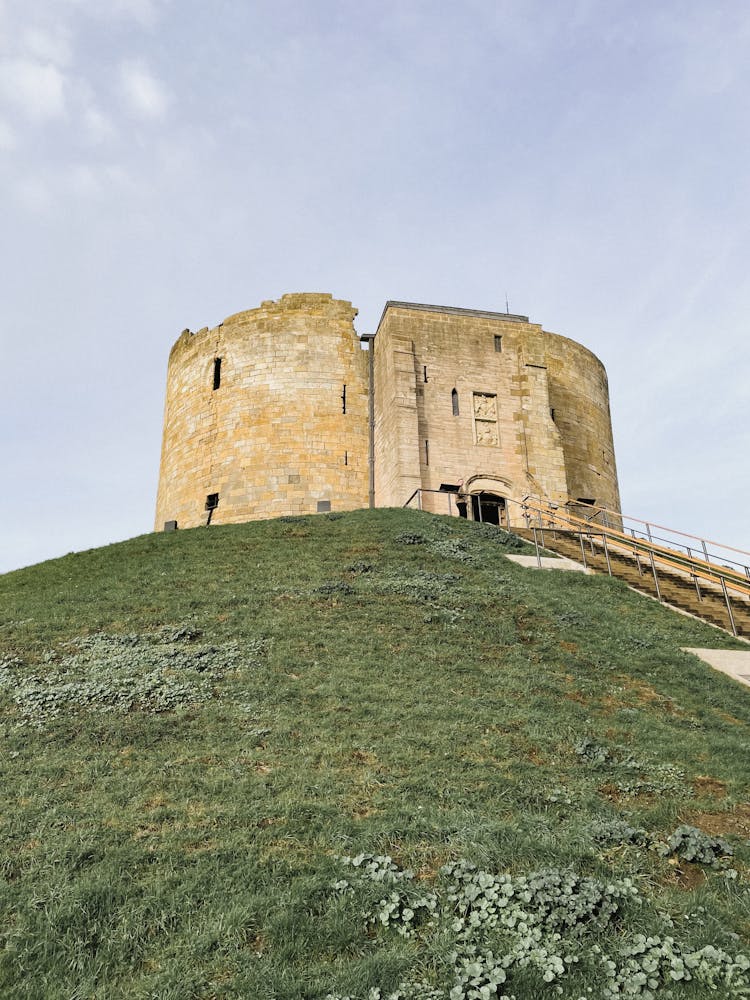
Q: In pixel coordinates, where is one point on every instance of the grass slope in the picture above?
(197, 726)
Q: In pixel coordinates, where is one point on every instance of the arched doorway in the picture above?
(488, 507)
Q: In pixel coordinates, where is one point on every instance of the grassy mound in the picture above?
(366, 756)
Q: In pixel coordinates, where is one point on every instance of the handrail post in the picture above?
(606, 553)
(656, 578)
(419, 499)
(583, 550)
(648, 532)
(729, 607)
(637, 555)
(694, 575)
(479, 507)
(536, 546)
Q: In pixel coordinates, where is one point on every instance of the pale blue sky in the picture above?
(165, 164)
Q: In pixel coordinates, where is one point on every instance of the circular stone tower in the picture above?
(266, 415)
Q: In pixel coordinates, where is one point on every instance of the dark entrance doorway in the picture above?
(488, 507)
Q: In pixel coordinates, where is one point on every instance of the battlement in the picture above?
(309, 303)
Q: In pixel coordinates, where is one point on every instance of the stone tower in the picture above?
(265, 415)
(279, 410)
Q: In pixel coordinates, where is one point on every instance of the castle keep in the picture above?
(285, 409)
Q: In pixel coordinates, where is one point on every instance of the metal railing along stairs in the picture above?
(627, 547)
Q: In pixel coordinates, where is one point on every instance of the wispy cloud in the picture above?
(47, 46)
(35, 89)
(7, 137)
(144, 12)
(35, 194)
(99, 126)
(144, 94)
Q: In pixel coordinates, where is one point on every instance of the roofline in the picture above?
(452, 310)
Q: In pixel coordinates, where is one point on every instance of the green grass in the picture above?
(304, 689)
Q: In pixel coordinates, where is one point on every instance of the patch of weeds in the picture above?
(559, 796)
(444, 616)
(590, 751)
(375, 868)
(143, 672)
(662, 779)
(692, 844)
(641, 642)
(571, 618)
(495, 924)
(410, 538)
(618, 831)
(637, 775)
(493, 533)
(335, 515)
(405, 991)
(419, 585)
(485, 931)
(644, 964)
(452, 548)
(360, 568)
(335, 588)
(687, 842)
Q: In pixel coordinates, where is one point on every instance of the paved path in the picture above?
(548, 562)
(734, 662)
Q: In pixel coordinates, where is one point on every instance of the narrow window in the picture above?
(552, 413)
(454, 402)
(498, 343)
(424, 373)
(346, 458)
(343, 400)
(426, 452)
(217, 373)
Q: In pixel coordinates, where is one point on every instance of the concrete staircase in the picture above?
(678, 588)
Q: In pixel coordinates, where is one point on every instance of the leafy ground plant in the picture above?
(146, 672)
(488, 927)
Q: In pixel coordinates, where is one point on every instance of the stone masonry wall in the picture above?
(272, 438)
(532, 409)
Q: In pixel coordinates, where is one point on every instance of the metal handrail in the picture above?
(709, 572)
(723, 578)
(667, 554)
(705, 568)
(649, 525)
